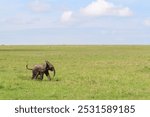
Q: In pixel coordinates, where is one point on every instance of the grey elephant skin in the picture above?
(41, 69)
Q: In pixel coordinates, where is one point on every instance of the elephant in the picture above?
(41, 69)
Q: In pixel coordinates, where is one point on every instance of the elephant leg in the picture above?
(35, 75)
(32, 76)
(48, 76)
(41, 76)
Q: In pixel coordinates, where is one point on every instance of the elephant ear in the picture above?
(47, 63)
(50, 67)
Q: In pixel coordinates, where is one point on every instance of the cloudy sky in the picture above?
(74, 22)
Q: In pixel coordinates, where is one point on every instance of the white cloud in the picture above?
(103, 7)
(147, 22)
(66, 16)
(38, 6)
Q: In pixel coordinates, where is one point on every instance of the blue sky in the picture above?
(74, 22)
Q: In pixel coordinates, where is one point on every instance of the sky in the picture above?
(59, 22)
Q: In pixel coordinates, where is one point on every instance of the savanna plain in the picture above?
(82, 72)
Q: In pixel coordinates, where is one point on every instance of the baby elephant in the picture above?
(41, 70)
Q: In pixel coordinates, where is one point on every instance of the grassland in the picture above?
(82, 72)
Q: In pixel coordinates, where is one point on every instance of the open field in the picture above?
(82, 72)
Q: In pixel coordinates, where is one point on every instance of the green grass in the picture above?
(82, 72)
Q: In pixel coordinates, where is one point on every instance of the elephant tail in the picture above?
(28, 68)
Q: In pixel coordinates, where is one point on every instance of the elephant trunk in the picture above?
(54, 72)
